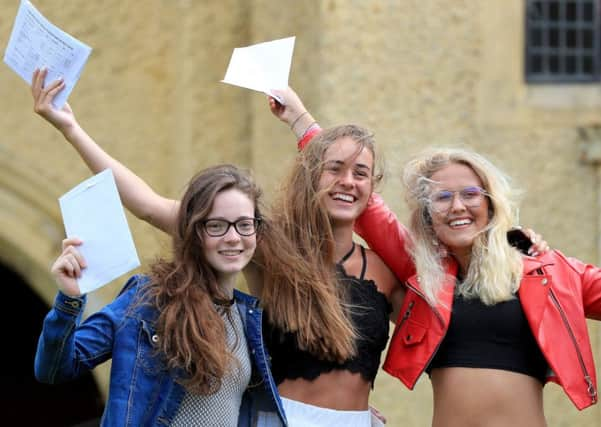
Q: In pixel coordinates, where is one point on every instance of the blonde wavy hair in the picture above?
(495, 267)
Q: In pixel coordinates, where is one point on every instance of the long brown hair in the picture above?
(184, 290)
(314, 309)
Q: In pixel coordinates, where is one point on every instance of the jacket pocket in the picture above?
(148, 356)
(412, 332)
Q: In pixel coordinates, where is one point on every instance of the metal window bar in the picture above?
(563, 41)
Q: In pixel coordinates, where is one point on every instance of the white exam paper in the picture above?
(261, 67)
(92, 211)
(35, 43)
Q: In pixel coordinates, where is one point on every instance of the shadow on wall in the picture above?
(23, 400)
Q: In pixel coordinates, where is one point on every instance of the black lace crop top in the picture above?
(370, 312)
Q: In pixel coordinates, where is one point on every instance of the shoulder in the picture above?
(133, 285)
(379, 272)
(130, 299)
(554, 262)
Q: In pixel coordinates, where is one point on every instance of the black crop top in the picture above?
(369, 314)
(495, 337)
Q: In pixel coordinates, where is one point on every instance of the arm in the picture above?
(295, 115)
(67, 349)
(396, 300)
(591, 288)
(386, 236)
(137, 196)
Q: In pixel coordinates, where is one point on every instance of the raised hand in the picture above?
(291, 109)
(67, 267)
(62, 119)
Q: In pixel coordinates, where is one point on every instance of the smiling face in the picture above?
(458, 226)
(347, 178)
(230, 253)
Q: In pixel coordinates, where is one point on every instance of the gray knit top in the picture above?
(221, 408)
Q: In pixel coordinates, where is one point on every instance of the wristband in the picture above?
(313, 130)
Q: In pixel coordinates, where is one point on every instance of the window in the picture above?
(563, 40)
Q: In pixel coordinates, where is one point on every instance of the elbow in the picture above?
(42, 376)
(42, 370)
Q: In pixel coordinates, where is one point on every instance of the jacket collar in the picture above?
(245, 299)
(532, 264)
(445, 295)
(534, 288)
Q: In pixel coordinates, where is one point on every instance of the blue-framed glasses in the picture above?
(243, 226)
(471, 197)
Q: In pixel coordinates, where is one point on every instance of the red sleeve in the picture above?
(308, 136)
(386, 236)
(586, 282)
(591, 287)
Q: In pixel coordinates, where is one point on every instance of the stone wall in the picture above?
(416, 72)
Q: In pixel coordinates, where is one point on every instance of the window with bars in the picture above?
(563, 39)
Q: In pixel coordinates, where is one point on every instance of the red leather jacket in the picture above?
(556, 293)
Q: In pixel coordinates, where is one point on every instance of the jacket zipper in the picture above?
(406, 314)
(590, 386)
(440, 319)
(422, 296)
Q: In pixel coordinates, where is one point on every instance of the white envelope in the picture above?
(92, 212)
(261, 67)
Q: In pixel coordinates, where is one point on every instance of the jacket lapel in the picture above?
(533, 291)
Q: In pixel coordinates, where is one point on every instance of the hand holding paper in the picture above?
(92, 211)
(68, 267)
(36, 43)
(261, 67)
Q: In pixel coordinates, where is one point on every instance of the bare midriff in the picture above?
(340, 390)
(470, 397)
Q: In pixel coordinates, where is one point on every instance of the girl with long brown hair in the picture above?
(182, 340)
(327, 189)
(185, 345)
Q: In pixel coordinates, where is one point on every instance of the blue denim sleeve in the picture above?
(68, 348)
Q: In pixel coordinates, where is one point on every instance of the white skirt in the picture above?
(300, 414)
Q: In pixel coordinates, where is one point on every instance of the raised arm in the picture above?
(137, 196)
(386, 236)
(295, 115)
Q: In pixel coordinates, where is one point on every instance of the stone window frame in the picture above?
(562, 41)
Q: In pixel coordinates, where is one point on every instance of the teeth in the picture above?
(231, 252)
(460, 222)
(344, 197)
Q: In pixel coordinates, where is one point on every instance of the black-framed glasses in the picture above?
(471, 197)
(243, 226)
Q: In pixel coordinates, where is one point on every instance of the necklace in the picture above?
(348, 255)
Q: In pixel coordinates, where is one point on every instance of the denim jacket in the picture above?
(141, 392)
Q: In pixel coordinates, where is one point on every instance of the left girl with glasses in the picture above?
(185, 345)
